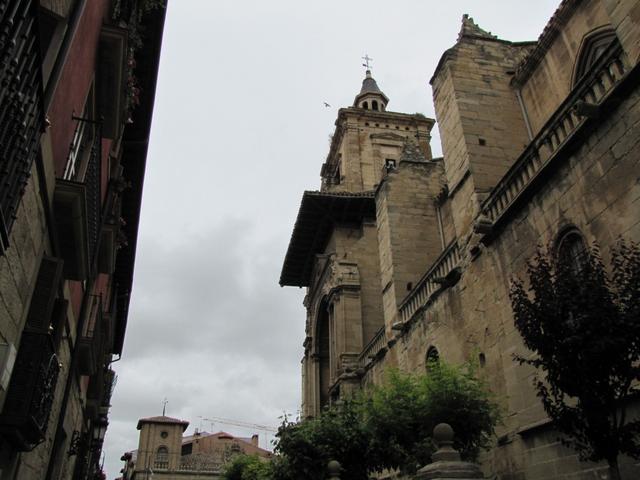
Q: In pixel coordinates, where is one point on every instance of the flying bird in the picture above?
(326, 104)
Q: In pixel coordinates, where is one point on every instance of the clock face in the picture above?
(164, 434)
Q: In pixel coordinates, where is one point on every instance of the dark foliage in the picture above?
(401, 414)
(584, 326)
(247, 467)
(305, 448)
(390, 427)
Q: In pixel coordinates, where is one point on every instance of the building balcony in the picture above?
(25, 415)
(90, 343)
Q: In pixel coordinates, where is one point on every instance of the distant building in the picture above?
(407, 258)
(77, 87)
(165, 452)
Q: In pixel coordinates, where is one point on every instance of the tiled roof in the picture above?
(319, 212)
(369, 85)
(163, 419)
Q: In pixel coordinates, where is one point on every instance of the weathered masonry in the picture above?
(74, 130)
(405, 256)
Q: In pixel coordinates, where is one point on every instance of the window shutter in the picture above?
(44, 294)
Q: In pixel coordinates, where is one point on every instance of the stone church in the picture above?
(407, 257)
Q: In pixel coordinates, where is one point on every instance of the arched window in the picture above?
(374, 105)
(162, 458)
(365, 105)
(572, 250)
(593, 45)
(433, 357)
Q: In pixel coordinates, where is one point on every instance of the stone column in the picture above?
(446, 463)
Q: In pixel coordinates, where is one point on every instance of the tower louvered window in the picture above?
(162, 458)
(20, 106)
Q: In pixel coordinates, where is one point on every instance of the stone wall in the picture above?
(596, 190)
(624, 16)
(365, 139)
(480, 120)
(408, 230)
(551, 81)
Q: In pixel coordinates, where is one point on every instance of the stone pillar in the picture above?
(446, 463)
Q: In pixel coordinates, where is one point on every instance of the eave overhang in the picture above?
(135, 143)
(319, 213)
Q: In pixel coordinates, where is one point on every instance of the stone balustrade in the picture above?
(430, 283)
(376, 347)
(590, 92)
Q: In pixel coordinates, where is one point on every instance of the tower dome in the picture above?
(370, 96)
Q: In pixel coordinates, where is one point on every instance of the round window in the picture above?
(164, 434)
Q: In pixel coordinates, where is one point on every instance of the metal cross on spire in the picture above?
(164, 406)
(367, 59)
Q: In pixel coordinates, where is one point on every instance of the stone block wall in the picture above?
(408, 230)
(367, 138)
(595, 189)
(480, 120)
(551, 81)
(624, 16)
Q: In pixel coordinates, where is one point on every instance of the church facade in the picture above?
(407, 257)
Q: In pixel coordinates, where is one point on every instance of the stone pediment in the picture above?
(390, 136)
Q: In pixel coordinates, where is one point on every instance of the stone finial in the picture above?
(470, 28)
(446, 463)
(443, 438)
(334, 470)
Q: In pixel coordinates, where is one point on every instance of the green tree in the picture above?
(584, 326)
(401, 414)
(247, 467)
(390, 426)
(304, 448)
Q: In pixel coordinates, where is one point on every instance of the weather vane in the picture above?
(367, 59)
(164, 406)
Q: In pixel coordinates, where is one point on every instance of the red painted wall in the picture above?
(75, 80)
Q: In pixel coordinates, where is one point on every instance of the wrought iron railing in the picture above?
(87, 130)
(431, 282)
(93, 184)
(29, 400)
(589, 92)
(373, 349)
(21, 113)
(110, 380)
(90, 343)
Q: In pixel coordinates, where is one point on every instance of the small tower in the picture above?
(370, 96)
(160, 443)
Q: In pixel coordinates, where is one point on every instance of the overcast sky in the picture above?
(239, 132)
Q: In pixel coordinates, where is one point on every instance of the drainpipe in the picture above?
(525, 115)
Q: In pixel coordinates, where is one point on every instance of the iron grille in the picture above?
(26, 410)
(21, 111)
(92, 182)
